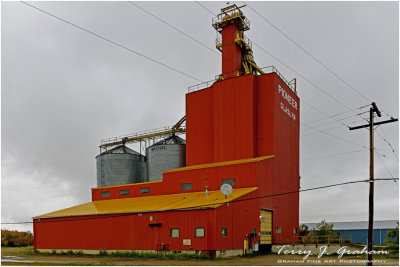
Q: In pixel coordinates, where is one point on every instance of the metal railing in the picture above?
(153, 133)
(316, 240)
(200, 86)
(228, 15)
(233, 74)
(271, 69)
(248, 44)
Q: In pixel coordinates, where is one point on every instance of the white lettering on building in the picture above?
(290, 100)
(287, 97)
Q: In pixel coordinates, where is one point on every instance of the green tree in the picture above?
(323, 232)
(392, 237)
(324, 228)
(303, 230)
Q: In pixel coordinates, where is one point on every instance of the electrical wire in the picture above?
(314, 85)
(308, 53)
(205, 8)
(331, 128)
(387, 141)
(337, 154)
(341, 120)
(28, 187)
(213, 204)
(112, 42)
(299, 74)
(387, 170)
(334, 136)
(202, 43)
(175, 28)
(338, 115)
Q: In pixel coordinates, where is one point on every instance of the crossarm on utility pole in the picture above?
(372, 110)
(375, 123)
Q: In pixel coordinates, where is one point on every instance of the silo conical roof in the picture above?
(121, 149)
(172, 140)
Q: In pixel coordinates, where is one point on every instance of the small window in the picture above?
(229, 181)
(124, 192)
(144, 190)
(174, 232)
(186, 186)
(295, 230)
(278, 230)
(199, 232)
(105, 194)
(253, 231)
(224, 232)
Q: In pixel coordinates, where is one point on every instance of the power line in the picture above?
(334, 136)
(387, 170)
(337, 154)
(205, 8)
(387, 141)
(28, 187)
(341, 120)
(314, 85)
(338, 115)
(112, 42)
(310, 82)
(218, 203)
(308, 53)
(173, 27)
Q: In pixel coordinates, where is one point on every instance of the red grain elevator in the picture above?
(242, 130)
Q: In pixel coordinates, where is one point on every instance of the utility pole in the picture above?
(372, 110)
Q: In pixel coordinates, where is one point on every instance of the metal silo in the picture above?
(120, 165)
(168, 154)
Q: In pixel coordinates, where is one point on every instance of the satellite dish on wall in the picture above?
(226, 189)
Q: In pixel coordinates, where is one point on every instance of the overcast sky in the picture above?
(63, 90)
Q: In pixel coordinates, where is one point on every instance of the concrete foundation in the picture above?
(220, 253)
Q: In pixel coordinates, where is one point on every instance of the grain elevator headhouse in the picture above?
(242, 136)
(237, 54)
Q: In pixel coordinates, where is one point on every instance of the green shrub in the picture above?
(103, 253)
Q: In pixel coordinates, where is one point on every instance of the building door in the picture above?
(265, 227)
(245, 246)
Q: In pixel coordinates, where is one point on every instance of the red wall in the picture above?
(221, 121)
(231, 53)
(199, 125)
(130, 232)
(278, 134)
(245, 174)
(124, 232)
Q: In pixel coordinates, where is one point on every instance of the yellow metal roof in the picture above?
(222, 163)
(194, 200)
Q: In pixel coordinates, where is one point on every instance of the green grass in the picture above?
(17, 251)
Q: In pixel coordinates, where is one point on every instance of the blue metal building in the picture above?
(358, 230)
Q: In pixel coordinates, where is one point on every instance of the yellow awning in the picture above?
(193, 200)
(219, 164)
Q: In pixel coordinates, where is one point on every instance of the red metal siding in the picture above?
(126, 232)
(231, 53)
(265, 109)
(199, 127)
(279, 133)
(245, 175)
(239, 218)
(234, 118)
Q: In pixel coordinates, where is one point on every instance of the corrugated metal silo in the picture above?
(168, 154)
(120, 165)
